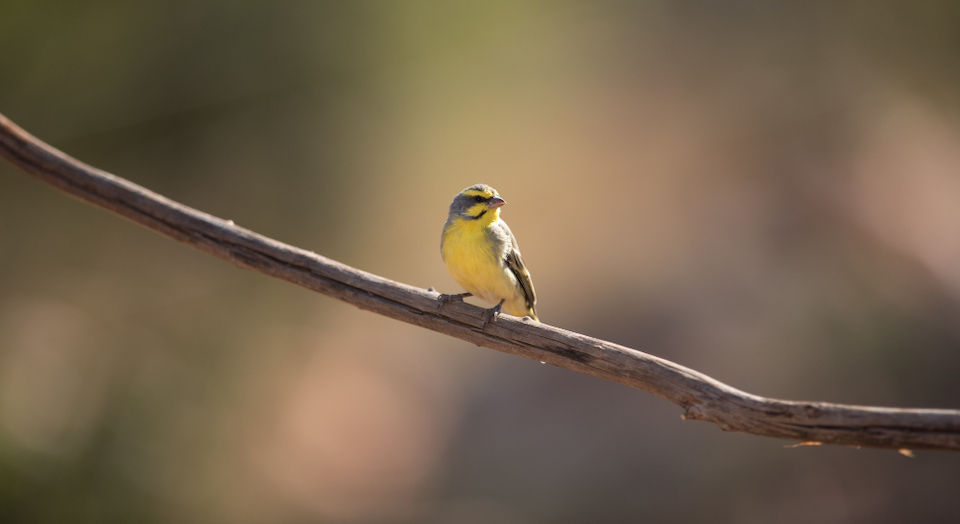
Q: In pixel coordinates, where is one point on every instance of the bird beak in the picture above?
(496, 202)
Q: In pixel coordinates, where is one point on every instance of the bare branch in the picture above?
(702, 397)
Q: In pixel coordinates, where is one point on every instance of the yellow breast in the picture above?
(476, 263)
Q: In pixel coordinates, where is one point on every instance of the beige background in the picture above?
(769, 194)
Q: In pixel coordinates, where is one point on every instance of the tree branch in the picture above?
(702, 397)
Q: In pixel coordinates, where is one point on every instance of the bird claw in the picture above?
(490, 315)
(444, 298)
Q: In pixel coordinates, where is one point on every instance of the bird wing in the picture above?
(515, 264)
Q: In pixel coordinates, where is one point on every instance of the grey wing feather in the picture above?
(515, 264)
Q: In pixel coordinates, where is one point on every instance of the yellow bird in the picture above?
(482, 255)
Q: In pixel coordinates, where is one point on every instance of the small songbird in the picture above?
(482, 255)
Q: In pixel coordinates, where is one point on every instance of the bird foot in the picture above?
(444, 298)
(490, 315)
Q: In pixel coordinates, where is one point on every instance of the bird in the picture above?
(482, 255)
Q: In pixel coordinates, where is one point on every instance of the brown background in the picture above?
(769, 194)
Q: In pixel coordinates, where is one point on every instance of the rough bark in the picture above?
(701, 397)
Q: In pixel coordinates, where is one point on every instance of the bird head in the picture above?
(477, 202)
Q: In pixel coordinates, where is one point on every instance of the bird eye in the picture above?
(478, 199)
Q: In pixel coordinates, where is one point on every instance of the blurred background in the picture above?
(765, 192)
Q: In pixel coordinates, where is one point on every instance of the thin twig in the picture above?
(701, 397)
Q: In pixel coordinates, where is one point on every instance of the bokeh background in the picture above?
(768, 192)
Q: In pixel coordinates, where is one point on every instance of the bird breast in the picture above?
(474, 256)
